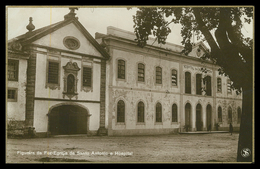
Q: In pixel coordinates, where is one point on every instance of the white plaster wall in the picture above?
(132, 60)
(41, 109)
(43, 92)
(16, 110)
(132, 98)
(224, 104)
(55, 39)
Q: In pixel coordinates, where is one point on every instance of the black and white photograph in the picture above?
(130, 84)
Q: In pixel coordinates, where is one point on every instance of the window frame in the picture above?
(15, 94)
(161, 77)
(176, 113)
(142, 81)
(220, 117)
(219, 86)
(143, 113)
(207, 82)
(16, 62)
(119, 78)
(53, 86)
(123, 113)
(198, 91)
(156, 113)
(172, 77)
(229, 90)
(91, 78)
(187, 85)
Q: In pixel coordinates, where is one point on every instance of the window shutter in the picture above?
(13, 70)
(187, 82)
(53, 72)
(158, 75)
(121, 69)
(174, 77)
(219, 85)
(198, 84)
(141, 72)
(87, 76)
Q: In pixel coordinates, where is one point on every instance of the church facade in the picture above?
(60, 68)
(63, 81)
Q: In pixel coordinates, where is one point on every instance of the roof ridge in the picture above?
(34, 32)
(39, 33)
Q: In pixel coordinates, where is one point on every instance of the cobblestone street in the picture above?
(217, 147)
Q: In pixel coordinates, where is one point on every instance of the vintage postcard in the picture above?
(121, 84)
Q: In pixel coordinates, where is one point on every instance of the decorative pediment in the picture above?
(71, 67)
(15, 46)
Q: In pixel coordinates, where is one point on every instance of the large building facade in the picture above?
(157, 90)
(63, 81)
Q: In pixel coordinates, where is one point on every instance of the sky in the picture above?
(94, 19)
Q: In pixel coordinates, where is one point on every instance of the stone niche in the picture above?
(70, 80)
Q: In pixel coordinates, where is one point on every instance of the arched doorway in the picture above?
(208, 117)
(68, 119)
(188, 116)
(199, 123)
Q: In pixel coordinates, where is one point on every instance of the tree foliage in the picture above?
(220, 27)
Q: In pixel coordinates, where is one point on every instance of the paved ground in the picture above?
(217, 147)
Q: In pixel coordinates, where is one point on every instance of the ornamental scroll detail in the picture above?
(70, 80)
(196, 68)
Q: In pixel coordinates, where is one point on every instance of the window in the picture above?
(219, 114)
(198, 84)
(71, 42)
(70, 84)
(158, 75)
(229, 86)
(53, 72)
(174, 113)
(141, 72)
(13, 66)
(87, 76)
(188, 114)
(120, 111)
(208, 85)
(158, 115)
(121, 69)
(174, 77)
(229, 115)
(12, 94)
(238, 115)
(187, 82)
(140, 112)
(219, 86)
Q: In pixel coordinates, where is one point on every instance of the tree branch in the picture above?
(202, 27)
(229, 50)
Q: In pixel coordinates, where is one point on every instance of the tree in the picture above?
(229, 49)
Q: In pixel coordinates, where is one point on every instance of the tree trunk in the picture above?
(245, 149)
